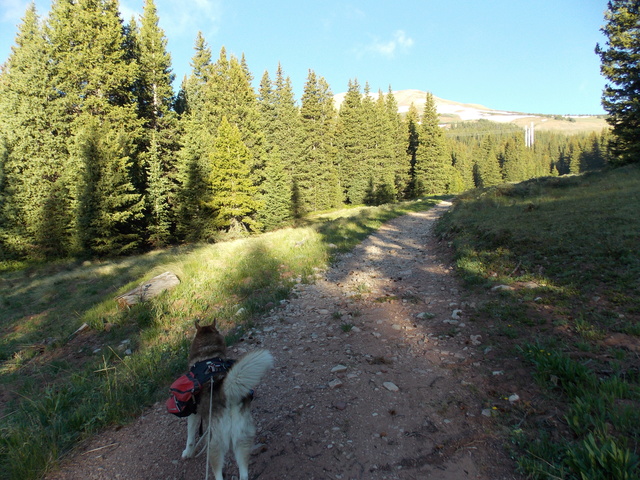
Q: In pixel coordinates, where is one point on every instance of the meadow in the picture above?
(563, 250)
(58, 387)
(564, 254)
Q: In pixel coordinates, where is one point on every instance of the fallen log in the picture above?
(148, 290)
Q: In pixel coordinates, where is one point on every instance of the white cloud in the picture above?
(180, 19)
(400, 42)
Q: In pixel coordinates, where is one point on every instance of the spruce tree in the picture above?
(431, 158)
(35, 207)
(621, 66)
(381, 152)
(234, 196)
(95, 77)
(514, 164)
(354, 174)
(106, 202)
(280, 124)
(229, 94)
(461, 159)
(574, 154)
(401, 163)
(194, 218)
(316, 185)
(276, 195)
(487, 167)
(155, 100)
(286, 128)
(412, 122)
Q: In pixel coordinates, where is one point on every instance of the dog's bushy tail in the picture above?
(246, 373)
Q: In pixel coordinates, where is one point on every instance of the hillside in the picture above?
(451, 112)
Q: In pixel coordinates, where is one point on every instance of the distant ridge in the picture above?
(452, 112)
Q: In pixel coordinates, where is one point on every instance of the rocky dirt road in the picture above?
(379, 375)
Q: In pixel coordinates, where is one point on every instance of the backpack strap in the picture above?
(211, 368)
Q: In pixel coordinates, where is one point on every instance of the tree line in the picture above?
(99, 156)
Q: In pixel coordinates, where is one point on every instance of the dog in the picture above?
(223, 404)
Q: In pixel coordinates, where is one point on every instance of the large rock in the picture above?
(148, 290)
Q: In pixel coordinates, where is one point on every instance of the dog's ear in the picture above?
(197, 324)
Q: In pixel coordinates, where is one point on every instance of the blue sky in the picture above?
(519, 55)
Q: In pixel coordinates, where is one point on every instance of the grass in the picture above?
(57, 388)
(569, 248)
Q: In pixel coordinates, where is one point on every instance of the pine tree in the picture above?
(276, 198)
(431, 158)
(155, 100)
(106, 202)
(95, 77)
(412, 121)
(574, 154)
(316, 184)
(487, 167)
(354, 173)
(35, 209)
(233, 194)
(280, 124)
(381, 152)
(194, 218)
(621, 66)
(514, 165)
(461, 159)
(399, 159)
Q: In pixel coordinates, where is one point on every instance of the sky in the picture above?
(516, 55)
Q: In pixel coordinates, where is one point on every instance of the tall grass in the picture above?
(62, 388)
(575, 241)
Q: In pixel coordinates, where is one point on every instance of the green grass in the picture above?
(578, 239)
(59, 389)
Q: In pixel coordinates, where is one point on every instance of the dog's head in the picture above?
(208, 342)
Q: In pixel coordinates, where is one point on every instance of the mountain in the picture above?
(452, 112)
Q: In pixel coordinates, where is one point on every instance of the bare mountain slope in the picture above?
(451, 111)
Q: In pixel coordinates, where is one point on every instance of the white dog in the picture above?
(223, 404)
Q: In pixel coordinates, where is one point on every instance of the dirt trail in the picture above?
(366, 384)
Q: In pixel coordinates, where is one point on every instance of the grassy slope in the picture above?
(568, 251)
(57, 388)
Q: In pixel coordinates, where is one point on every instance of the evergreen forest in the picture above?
(99, 156)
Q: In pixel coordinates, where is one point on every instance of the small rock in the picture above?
(514, 398)
(476, 339)
(340, 405)
(338, 369)
(335, 383)
(498, 372)
(456, 314)
(487, 412)
(355, 329)
(240, 311)
(323, 311)
(395, 326)
(392, 387)
(500, 288)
